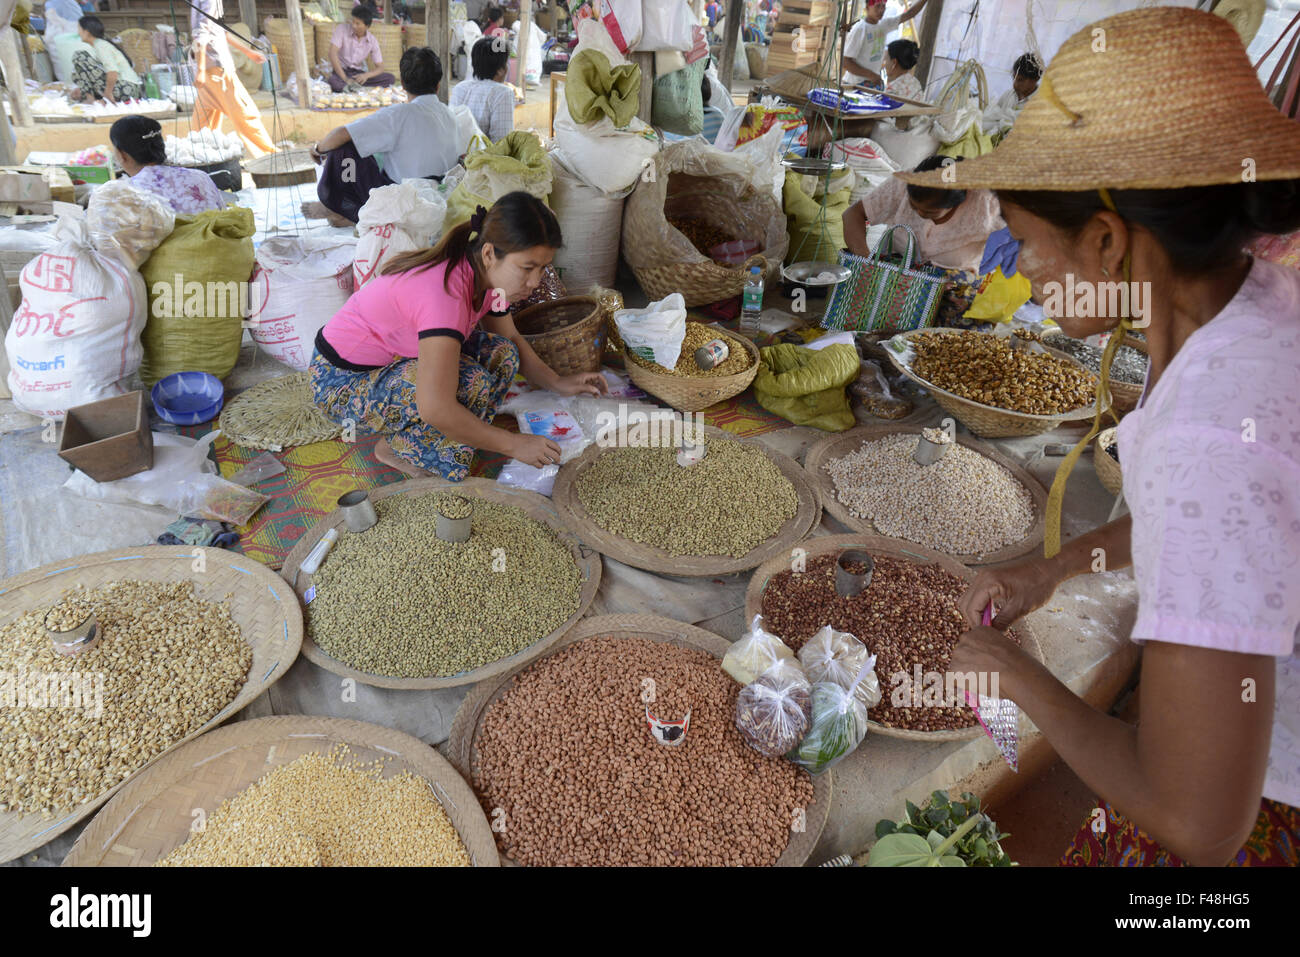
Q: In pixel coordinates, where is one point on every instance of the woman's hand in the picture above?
(535, 450)
(1015, 591)
(583, 383)
(988, 651)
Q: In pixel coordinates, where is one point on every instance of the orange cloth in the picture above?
(218, 94)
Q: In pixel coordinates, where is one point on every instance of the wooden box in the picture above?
(109, 439)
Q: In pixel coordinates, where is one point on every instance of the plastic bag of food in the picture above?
(773, 712)
(755, 653)
(128, 222)
(872, 388)
(839, 657)
(655, 333)
(839, 723)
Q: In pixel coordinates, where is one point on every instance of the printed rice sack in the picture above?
(297, 287)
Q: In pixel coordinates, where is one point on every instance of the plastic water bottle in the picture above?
(751, 301)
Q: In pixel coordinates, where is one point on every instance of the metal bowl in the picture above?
(805, 273)
(813, 165)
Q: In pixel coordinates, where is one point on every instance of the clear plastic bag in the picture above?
(755, 653)
(839, 723)
(128, 222)
(773, 712)
(839, 657)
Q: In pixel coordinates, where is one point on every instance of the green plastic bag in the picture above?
(678, 103)
(594, 89)
(195, 308)
(515, 162)
(806, 386)
(808, 240)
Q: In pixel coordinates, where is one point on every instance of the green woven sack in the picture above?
(678, 103)
(197, 287)
(806, 386)
(517, 161)
(593, 89)
(811, 237)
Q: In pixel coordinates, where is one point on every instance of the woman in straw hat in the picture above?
(1127, 167)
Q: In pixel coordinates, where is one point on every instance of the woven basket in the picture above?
(841, 444)
(259, 603)
(154, 814)
(693, 393)
(1107, 469)
(567, 334)
(277, 31)
(987, 421)
(1123, 395)
(533, 505)
(389, 36)
(323, 33)
(415, 35)
(653, 559)
(465, 730)
(891, 548)
(138, 45)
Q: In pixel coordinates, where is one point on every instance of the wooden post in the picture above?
(525, 28)
(301, 67)
(12, 62)
(730, 37)
(438, 28)
(248, 13)
(646, 61)
(927, 36)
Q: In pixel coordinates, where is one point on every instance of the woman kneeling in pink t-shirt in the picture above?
(1100, 188)
(424, 353)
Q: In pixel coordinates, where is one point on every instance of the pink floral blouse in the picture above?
(188, 191)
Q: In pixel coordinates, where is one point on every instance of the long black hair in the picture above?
(1200, 227)
(95, 27)
(139, 138)
(932, 195)
(517, 221)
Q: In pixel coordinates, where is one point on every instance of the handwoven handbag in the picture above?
(884, 294)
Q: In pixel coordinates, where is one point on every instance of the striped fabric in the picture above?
(885, 295)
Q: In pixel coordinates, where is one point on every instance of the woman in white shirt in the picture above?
(491, 100)
(900, 60)
(103, 72)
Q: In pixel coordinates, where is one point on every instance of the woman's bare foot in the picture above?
(318, 211)
(385, 454)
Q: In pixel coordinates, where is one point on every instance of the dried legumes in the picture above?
(566, 755)
(327, 810)
(395, 600)
(983, 368)
(697, 335)
(166, 663)
(907, 616)
(1129, 364)
(728, 504)
(963, 504)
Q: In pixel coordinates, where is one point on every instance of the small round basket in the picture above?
(1105, 465)
(1123, 395)
(986, 421)
(693, 393)
(567, 334)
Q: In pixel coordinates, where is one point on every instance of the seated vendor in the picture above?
(350, 46)
(951, 227)
(102, 72)
(488, 96)
(139, 148)
(418, 139)
(424, 353)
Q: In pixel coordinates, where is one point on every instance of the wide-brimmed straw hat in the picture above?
(1156, 98)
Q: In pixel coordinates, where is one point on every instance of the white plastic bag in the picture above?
(469, 135)
(556, 424)
(655, 333)
(591, 221)
(839, 657)
(839, 723)
(666, 25)
(75, 337)
(753, 654)
(765, 154)
(622, 19)
(774, 711)
(601, 154)
(298, 285)
(868, 159)
(518, 475)
(128, 222)
(592, 35)
(396, 219)
(182, 479)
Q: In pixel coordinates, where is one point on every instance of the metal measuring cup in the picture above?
(849, 583)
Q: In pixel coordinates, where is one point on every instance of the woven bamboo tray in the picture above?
(262, 607)
(986, 421)
(277, 32)
(567, 334)
(461, 745)
(1107, 469)
(841, 444)
(282, 168)
(653, 559)
(300, 421)
(152, 816)
(533, 505)
(889, 548)
(1124, 395)
(693, 393)
(415, 35)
